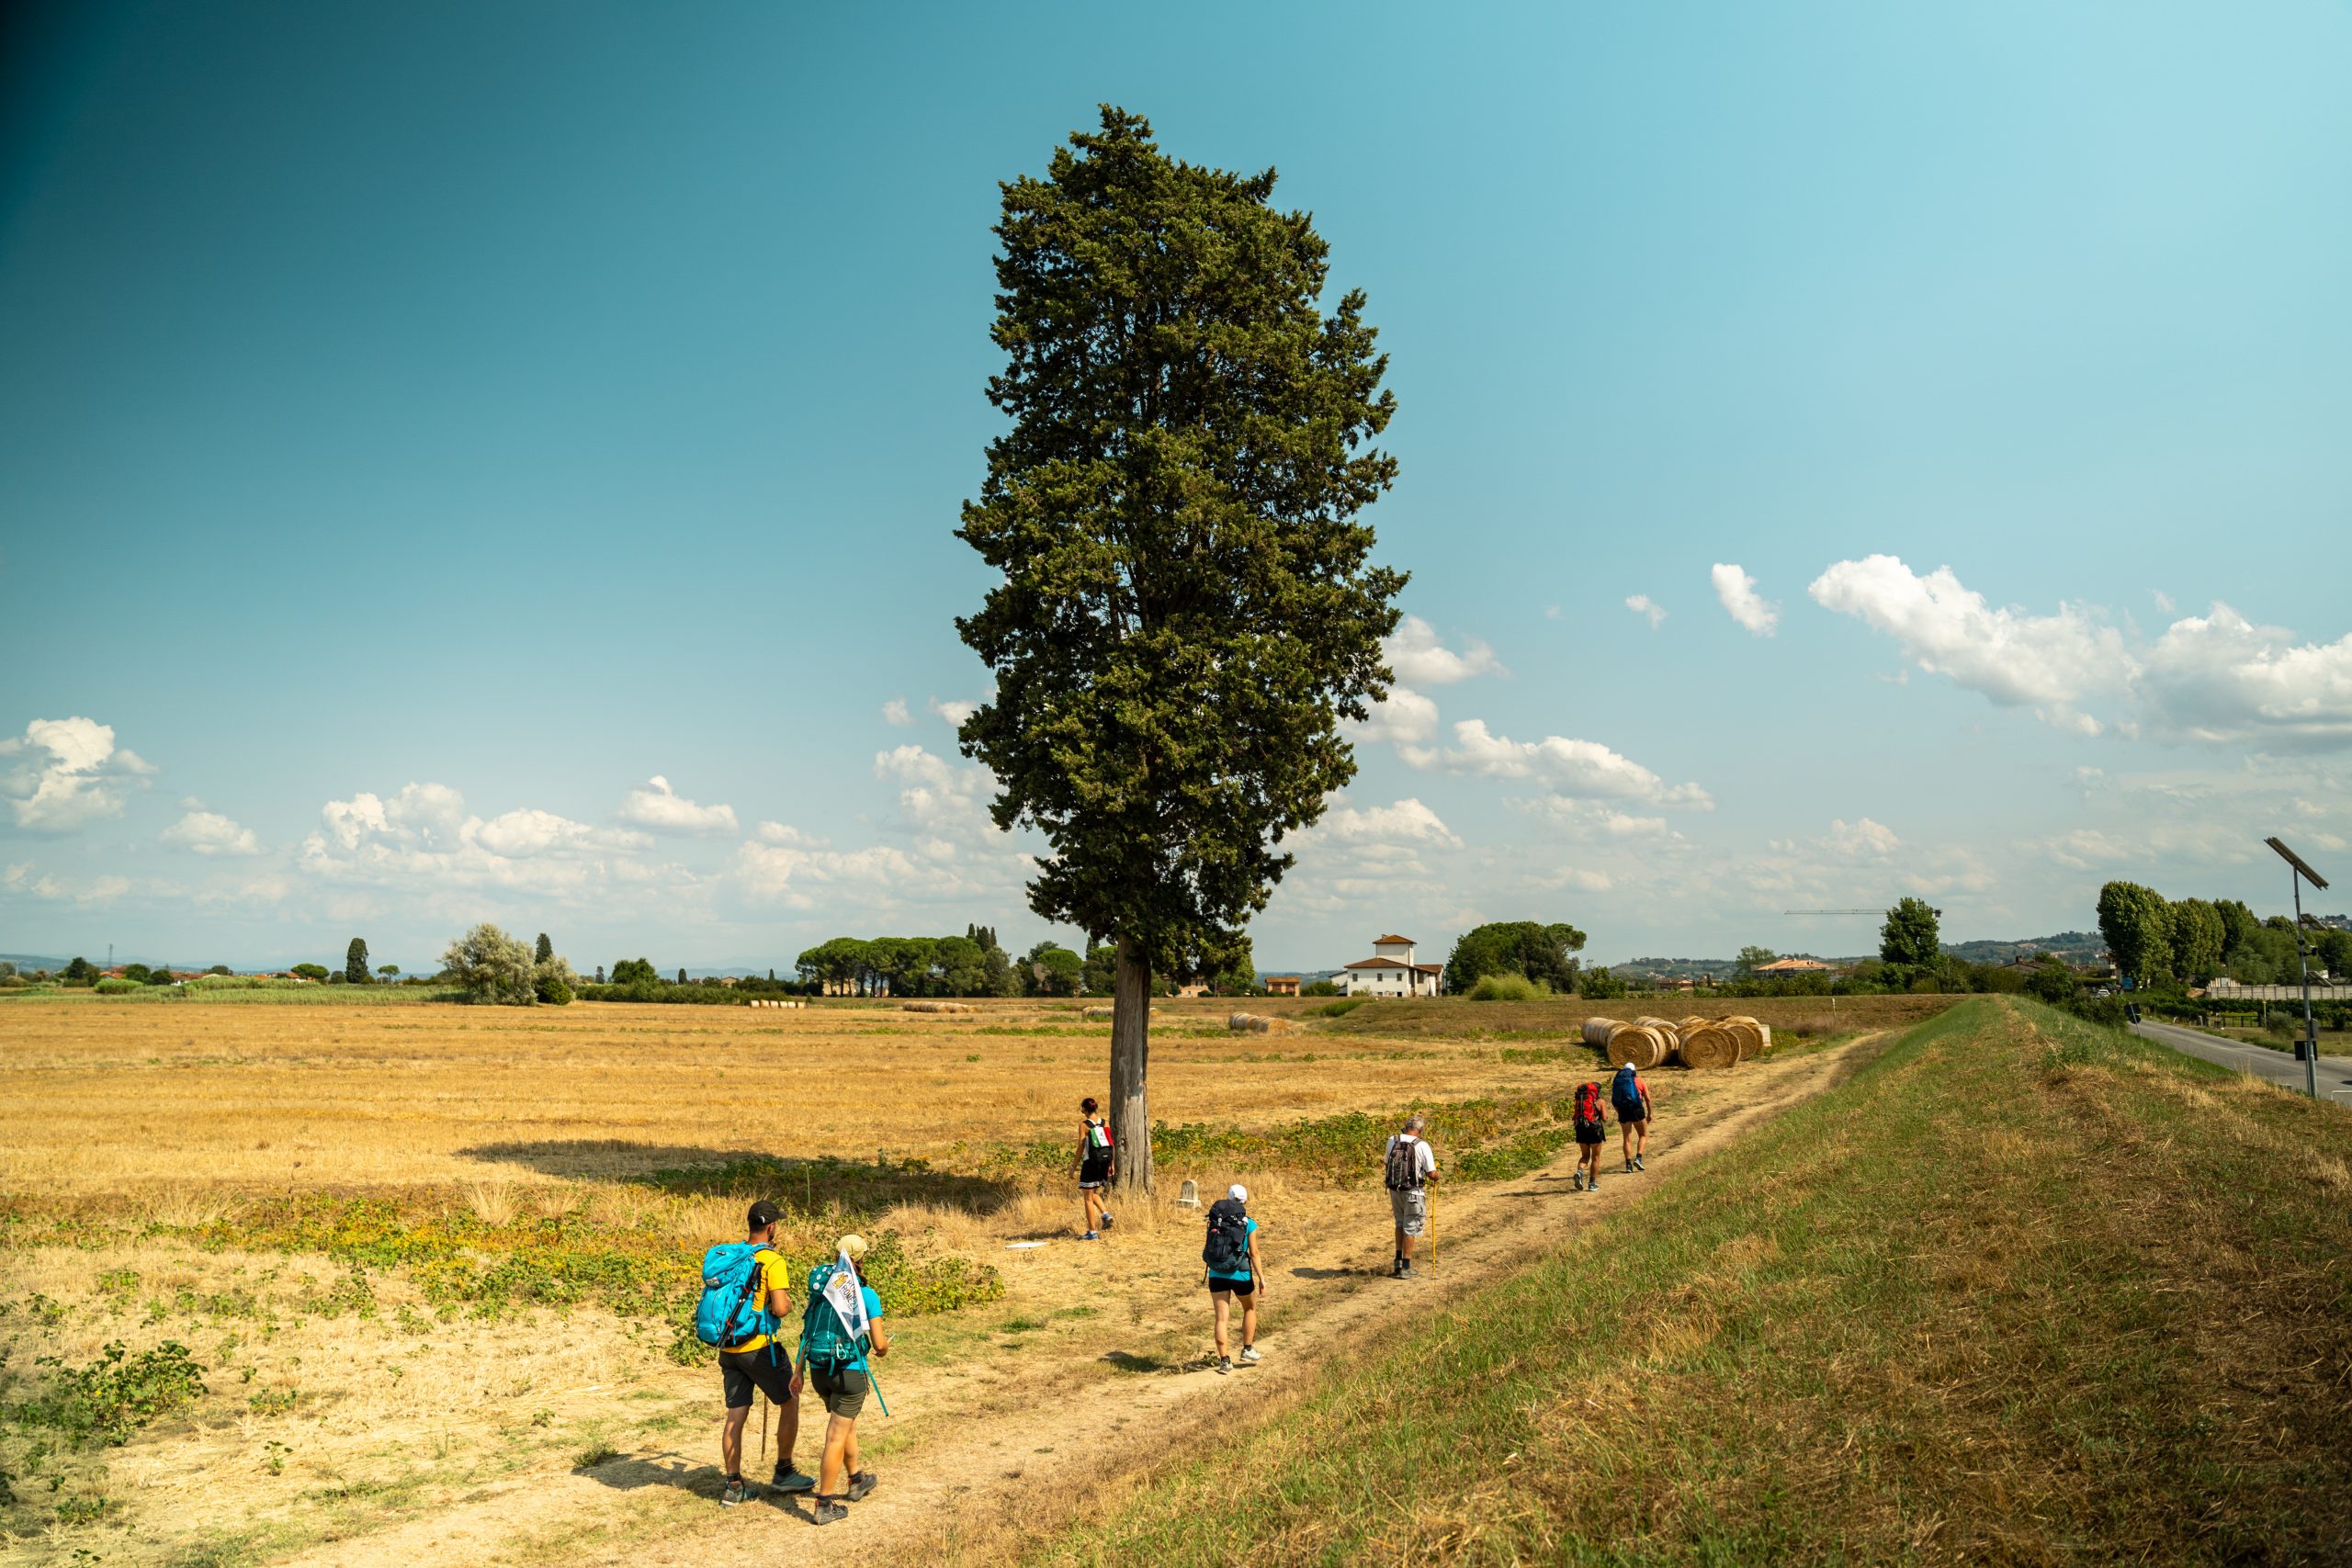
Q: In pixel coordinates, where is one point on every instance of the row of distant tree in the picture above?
(977, 964)
(2164, 942)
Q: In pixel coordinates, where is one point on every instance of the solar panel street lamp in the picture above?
(2301, 874)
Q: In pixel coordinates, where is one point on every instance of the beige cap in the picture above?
(854, 1245)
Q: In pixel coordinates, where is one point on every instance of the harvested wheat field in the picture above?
(349, 1284)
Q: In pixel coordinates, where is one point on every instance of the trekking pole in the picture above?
(874, 1384)
(763, 1427)
(1432, 1191)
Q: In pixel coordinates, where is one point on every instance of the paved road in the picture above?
(2279, 1067)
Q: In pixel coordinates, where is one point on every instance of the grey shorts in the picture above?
(1411, 1207)
(842, 1389)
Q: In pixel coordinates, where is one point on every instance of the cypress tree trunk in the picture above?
(1130, 1055)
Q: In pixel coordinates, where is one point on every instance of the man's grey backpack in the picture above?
(1404, 1163)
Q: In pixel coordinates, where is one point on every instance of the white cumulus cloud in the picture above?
(1643, 604)
(1736, 590)
(209, 833)
(1404, 718)
(895, 714)
(1582, 769)
(954, 710)
(72, 774)
(1402, 821)
(656, 805)
(1419, 658)
(2051, 663)
(1862, 838)
(2218, 677)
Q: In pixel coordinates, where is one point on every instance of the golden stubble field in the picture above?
(229, 1176)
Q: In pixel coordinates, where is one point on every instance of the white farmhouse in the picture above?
(1391, 972)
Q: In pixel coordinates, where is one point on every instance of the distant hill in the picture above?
(2074, 947)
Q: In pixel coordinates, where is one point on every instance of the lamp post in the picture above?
(2301, 874)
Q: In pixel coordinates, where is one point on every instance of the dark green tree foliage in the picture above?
(159, 975)
(682, 974)
(355, 962)
(311, 971)
(1908, 938)
(1188, 607)
(138, 972)
(1102, 967)
(2137, 925)
(1600, 984)
(544, 951)
(1053, 970)
(2198, 936)
(1542, 953)
(1752, 958)
(2054, 984)
(80, 971)
(390, 972)
(637, 972)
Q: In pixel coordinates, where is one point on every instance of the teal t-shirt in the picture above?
(1249, 1227)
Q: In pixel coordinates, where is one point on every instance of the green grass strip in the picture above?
(2023, 1290)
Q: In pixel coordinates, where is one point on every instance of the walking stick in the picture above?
(763, 1427)
(1432, 1190)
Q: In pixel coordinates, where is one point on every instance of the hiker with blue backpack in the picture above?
(1235, 1271)
(1630, 1097)
(746, 1291)
(839, 1328)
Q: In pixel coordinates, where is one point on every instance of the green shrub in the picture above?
(113, 1397)
(1509, 988)
(1320, 988)
(116, 988)
(554, 990)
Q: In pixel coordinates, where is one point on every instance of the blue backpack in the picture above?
(1624, 1091)
(732, 1308)
(822, 1340)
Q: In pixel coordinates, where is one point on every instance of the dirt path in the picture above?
(1021, 1447)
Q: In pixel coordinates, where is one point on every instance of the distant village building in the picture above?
(1791, 968)
(1282, 985)
(1392, 971)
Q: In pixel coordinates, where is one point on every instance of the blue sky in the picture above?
(424, 428)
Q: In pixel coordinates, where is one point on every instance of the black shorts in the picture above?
(842, 1389)
(1634, 1117)
(1244, 1288)
(741, 1372)
(1592, 1134)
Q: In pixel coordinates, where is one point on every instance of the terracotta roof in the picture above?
(1382, 940)
(1376, 963)
(1786, 964)
(1430, 969)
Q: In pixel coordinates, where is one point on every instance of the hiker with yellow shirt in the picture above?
(746, 1292)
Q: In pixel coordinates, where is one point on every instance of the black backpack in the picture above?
(1404, 1171)
(1228, 1250)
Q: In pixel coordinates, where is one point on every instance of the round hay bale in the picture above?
(1709, 1046)
(1751, 1035)
(1097, 1015)
(1596, 1030)
(1637, 1045)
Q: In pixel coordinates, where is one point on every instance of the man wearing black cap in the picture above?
(760, 1364)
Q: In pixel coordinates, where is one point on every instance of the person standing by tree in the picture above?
(1188, 607)
(1096, 1165)
(1409, 1165)
(1630, 1097)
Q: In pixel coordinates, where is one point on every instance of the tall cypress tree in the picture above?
(355, 963)
(1188, 607)
(546, 950)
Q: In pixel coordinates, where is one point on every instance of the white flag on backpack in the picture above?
(847, 1300)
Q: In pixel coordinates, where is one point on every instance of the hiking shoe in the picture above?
(1638, 1165)
(1249, 1356)
(1223, 1365)
(1629, 1167)
(1091, 1236)
(736, 1492)
(788, 1480)
(828, 1511)
(1107, 1220)
(862, 1482)
(1405, 1271)
(1576, 1181)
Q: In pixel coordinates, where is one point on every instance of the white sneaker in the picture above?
(1249, 1355)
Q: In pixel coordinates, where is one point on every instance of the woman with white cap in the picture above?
(835, 1340)
(1235, 1269)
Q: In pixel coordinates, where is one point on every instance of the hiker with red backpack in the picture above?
(1409, 1166)
(1235, 1269)
(746, 1289)
(1592, 1132)
(1096, 1167)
